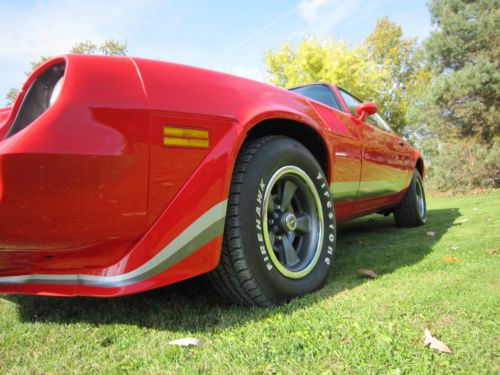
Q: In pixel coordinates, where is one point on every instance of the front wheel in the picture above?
(412, 211)
(279, 236)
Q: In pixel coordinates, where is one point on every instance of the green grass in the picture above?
(353, 325)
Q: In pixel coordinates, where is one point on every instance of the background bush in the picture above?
(464, 165)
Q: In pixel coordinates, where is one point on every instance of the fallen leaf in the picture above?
(452, 259)
(367, 273)
(431, 234)
(494, 251)
(454, 248)
(475, 209)
(462, 221)
(433, 343)
(187, 341)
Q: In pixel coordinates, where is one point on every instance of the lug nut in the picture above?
(271, 221)
(278, 238)
(278, 207)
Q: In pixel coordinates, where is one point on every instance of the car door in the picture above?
(383, 169)
(402, 160)
(344, 135)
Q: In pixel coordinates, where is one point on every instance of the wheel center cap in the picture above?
(289, 222)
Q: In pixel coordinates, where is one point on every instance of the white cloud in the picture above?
(324, 16)
(52, 27)
(309, 8)
(257, 33)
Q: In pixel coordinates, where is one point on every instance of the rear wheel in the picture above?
(279, 237)
(412, 211)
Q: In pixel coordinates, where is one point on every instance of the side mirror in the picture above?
(366, 109)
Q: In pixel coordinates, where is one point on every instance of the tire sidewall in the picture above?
(417, 179)
(273, 155)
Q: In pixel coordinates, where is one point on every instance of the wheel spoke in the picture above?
(289, 253)
(272, 236)
(289, 189)
(271, 207)
(303, 223)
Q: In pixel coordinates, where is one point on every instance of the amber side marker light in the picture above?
(182, 137)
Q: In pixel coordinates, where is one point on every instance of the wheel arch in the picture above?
(305, 134)
(419, 166)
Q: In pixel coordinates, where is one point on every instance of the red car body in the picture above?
(121, 185)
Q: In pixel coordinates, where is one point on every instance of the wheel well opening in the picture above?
(420, 167)
(302, 133)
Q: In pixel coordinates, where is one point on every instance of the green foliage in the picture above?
(11, 95)
(109, 47)
(403, 61)
(462, 166)
(326, 60)
(463, 52)
(35, 64)
(386, 69)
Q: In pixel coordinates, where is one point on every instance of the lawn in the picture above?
(448, 282)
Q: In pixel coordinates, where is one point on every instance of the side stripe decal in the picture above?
(204, 229)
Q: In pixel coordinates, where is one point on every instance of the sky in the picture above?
(224, 35)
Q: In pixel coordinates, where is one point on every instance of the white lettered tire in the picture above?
(280, 234)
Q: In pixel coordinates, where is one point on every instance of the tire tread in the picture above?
(406, 214)
(233, 278)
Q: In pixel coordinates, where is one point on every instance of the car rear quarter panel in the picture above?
(76, 178)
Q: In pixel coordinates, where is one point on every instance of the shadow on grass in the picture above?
(193, 306)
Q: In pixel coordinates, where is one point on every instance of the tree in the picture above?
(386, 68)
(35, 64)
(403, 61)
(463, 52)
(11, 95)
(108, 48)
(326, 60)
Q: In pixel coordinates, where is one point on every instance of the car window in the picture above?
(352, 103)
(321, 93)
(378, 122)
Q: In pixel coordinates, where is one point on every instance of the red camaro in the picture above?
(119, 175)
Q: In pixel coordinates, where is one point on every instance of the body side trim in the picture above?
(343, 191)
(204, 229)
